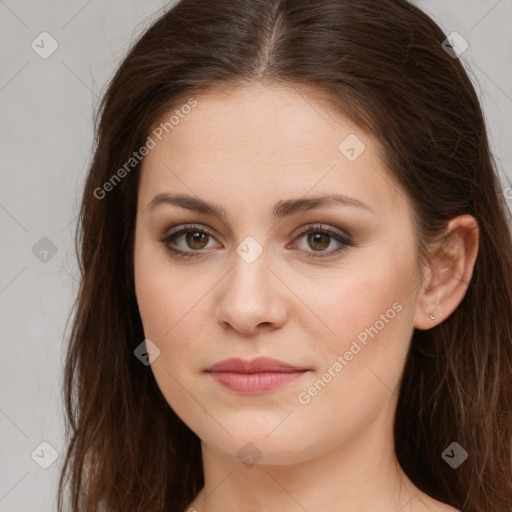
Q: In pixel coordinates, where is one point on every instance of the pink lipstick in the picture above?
(256, 376)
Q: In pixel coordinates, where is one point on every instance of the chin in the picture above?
(251, 450)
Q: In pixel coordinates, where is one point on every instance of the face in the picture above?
(327, 288)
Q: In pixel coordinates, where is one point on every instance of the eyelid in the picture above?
(188, 227)
(342, 237)
(321, 227)
(181, 229)
(298, 232)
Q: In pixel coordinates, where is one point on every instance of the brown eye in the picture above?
(191, 241)
(318, 240)
(196, 239)
(188, 241)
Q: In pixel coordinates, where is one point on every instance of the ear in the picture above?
(450, 271)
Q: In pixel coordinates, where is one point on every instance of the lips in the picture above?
(258, 365)
(256, 376)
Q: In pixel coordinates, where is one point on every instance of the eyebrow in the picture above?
(281, 209)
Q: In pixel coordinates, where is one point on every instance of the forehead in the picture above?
(261, 139)
(240, 116)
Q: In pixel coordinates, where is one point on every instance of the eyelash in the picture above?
(344, 240)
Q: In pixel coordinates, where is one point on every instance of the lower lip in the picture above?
(255, 382)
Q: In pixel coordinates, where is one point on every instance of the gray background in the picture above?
(46, 133)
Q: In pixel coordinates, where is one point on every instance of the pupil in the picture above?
(317, 239)
(195, 239)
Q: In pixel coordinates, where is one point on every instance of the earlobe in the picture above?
(451, 268)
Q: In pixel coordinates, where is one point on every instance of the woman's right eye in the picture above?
(187, 241)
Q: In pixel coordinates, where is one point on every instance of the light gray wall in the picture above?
(46, 110)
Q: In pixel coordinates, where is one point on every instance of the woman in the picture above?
(296, 271)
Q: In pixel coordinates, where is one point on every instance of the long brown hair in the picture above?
(382, 62)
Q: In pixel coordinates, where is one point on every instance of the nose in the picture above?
(252, 299)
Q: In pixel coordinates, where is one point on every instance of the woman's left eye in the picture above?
(196, 238)
(319, 238)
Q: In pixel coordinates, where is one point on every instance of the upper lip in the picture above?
(258, 365)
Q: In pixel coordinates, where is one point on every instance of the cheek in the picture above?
(363, 361)
(166, 305)
(173, 301)
(165, 292)
(369, 314)
(167, 318)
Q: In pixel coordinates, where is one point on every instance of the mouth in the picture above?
(256, 376)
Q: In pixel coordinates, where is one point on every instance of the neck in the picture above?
(359, 475)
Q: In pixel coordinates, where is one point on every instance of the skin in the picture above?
(246, 149)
